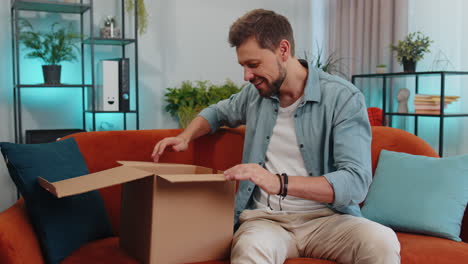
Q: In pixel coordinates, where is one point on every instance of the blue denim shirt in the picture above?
(332, 129)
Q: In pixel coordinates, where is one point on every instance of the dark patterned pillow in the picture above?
(62, 225)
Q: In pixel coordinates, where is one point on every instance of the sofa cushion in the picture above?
(419, 194)
(100, 251)
(62, 225)
(107, 251)
(416, 249)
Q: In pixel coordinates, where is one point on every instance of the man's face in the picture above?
(262, 67)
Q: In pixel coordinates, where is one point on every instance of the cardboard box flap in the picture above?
(174, 178)
(133, 163)
(93, 181)
(168, 168)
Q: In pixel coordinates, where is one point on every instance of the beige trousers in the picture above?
(272, 238)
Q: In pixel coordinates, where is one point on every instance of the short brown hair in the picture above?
(268, 28)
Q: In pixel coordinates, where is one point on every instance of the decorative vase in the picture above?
(51, 73)
(409, 65)
(110, 29)
(110, 32)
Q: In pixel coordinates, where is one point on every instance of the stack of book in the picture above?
(430, 104)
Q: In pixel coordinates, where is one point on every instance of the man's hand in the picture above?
(177, 143)
(264, 179)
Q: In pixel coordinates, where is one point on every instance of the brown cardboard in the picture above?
(93, 181)
(171, 213)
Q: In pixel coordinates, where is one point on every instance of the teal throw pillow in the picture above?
(419, 194)
(62, 225)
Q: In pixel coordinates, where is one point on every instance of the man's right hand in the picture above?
(177, 144)
(198, 127)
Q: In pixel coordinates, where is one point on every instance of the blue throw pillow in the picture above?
(419, 194)
(62, 225)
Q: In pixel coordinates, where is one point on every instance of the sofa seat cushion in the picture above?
(107, 251)
(433, 250)
(289, 261)
(415, 249)
(101, 251)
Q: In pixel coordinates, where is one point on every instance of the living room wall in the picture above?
(185, 40)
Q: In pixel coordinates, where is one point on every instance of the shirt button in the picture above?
(268, 137)
(295, 115)
(276, 110)
(249, 189)
(310, 174)
(260, 163)
(302, 145)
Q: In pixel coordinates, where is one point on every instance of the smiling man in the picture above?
(306, 161)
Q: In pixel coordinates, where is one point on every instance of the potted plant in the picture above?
(332, 64)
(52, 48)
(411, 50)
(381, 68)
(186, 101)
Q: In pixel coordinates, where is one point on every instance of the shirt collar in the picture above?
(312, 90)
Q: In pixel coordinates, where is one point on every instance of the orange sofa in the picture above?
(18, 243)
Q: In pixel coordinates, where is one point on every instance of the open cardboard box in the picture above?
(171, 213)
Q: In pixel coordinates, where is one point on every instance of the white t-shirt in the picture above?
(283, 156)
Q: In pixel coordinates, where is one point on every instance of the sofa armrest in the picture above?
(18, 242)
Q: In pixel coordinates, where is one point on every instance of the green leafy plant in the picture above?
(51, 47)
(142, 14)
(186, 101)
(332, 64)
(412, 48)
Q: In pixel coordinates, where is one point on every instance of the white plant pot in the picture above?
(381, 70)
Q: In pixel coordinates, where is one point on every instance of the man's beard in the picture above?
(274, 87)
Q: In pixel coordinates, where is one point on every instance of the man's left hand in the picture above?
(264, 179)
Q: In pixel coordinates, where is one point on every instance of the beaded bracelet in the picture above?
(283, 192)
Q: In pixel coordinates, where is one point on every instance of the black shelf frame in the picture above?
(53, 85)
(392, 74)
(110, 112)
(50, 6)
(80, 9)
(416, 75)
(109, 41)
